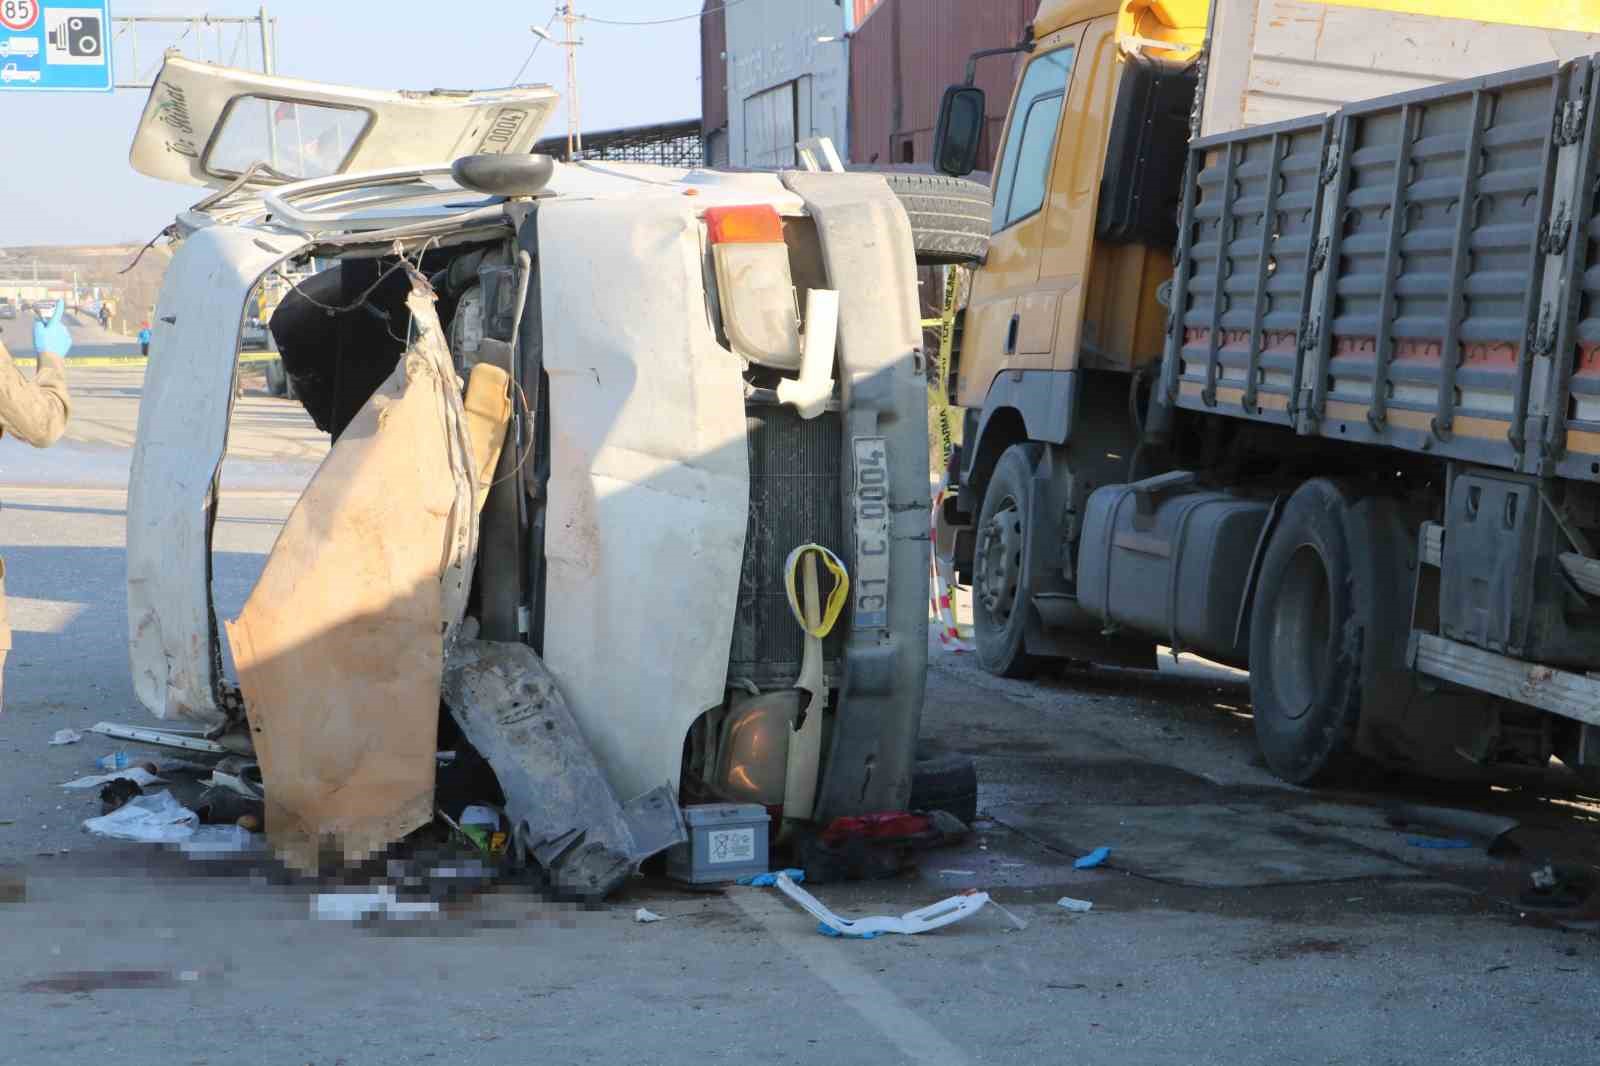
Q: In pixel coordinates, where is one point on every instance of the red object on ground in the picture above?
(886, 826)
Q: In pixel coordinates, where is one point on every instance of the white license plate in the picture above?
(869, 585)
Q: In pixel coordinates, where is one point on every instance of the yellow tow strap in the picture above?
(836, 597)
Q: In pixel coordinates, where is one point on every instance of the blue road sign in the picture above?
(55, 46)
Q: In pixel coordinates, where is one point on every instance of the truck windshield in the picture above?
(1031, 138)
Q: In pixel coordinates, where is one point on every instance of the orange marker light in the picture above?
(753, 224)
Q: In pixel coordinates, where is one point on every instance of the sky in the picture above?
(67, 179)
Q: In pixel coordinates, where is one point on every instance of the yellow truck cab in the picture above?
(1052, 294)
(1383, 327)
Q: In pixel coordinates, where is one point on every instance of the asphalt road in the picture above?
(88, 339)
(1237, 922)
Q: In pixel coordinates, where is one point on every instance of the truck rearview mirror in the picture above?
(955, 141)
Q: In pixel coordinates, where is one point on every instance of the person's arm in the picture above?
(36, 411)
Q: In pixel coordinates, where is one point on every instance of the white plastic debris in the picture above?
(137, 774)
(220, 842)
(156, 818)
(65, 736)
(934, 916)
(643, 915)
(1076, 906)
(379, 902)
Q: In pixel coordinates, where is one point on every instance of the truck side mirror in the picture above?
(955, 141)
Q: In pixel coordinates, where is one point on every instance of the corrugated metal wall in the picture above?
(713, 70)
(904, 54)
(787, 74)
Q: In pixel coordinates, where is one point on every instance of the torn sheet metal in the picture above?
(650, 483)
(183, 433)
(340, 647)
(563, 814)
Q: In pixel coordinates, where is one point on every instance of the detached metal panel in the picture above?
(1420, 271)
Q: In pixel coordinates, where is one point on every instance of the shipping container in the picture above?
(714, 82)
(902, 56)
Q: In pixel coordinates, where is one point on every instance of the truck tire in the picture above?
(946, 783)
(999, 587)
(1309, 627)
(949, 216)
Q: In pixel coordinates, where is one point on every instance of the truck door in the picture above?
(1010, 325)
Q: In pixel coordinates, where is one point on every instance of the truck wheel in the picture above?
(1307, 634)
(949, 216)
(999, 586)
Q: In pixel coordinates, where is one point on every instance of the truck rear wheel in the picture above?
(999, 586)
(1308, 629)
(950, 217)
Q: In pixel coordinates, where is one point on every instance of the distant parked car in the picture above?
(19, 46)
(10, 72)
(8, 309)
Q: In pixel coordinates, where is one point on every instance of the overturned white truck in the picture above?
(587, 418)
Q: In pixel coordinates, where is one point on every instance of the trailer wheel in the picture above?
(999, 586)
(1308, 629)
(950, 217)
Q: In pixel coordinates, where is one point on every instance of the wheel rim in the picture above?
(1302, 620)
(998, 563)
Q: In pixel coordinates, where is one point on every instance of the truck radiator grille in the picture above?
(796, 497)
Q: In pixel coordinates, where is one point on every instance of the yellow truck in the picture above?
(1352, 441)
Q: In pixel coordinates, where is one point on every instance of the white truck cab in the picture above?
(699, 375)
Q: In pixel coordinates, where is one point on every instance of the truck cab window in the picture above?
(1031, 138)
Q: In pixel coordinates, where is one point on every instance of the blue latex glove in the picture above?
(768, 880)
(50, 334)
(1093, 859)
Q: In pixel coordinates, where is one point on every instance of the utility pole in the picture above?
(269, 66)
(569, 19)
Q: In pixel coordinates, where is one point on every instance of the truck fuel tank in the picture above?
(1172, 560)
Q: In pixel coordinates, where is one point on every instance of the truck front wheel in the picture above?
(1000, 602)
(1307, 631)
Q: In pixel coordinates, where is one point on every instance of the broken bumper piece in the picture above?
(563, 813)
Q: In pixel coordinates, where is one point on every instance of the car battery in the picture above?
(727, 841)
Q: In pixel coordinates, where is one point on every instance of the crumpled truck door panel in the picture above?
(340, 647)
(650, 481)
(183, 433)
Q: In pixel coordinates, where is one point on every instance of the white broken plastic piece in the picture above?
(137, 774)
(1076, 906)
(811, 390)
(153, 819)
(65, 736)
(379, 903)
(934, 916)
(221, 842)
(643, 915)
